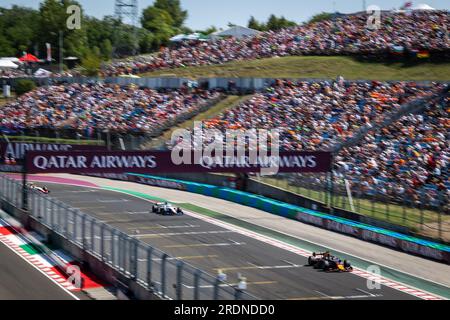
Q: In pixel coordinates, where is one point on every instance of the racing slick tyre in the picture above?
(319, 264)
(326, 265)
(347, 265)
(310, 261)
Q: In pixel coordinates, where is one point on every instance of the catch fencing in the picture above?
(423, 211)
(156, 271)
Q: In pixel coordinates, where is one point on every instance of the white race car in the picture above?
(34, 187)
(166, 209)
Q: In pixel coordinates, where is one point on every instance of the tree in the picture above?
(24, 85)
(255, 24)
(173, 8)
(320, 17)
(106, 49)
(160, 23)
(18, 26)
(91, 64)
(6, 49)
(275, 23)
(52, 20)
(210, 30)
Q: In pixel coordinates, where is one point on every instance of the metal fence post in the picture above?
(149, 267)
(83, 231)
(58, 217)
(387, 208)
(134, 258)
(102, 245)
(163, 274)
(237, 294)
(52, 214)
(24, 189)
(65, 214)
(421, 202)
(75, 218)
(92, 235)
(197, 275)
(216, 289)
(113, 246)
(180, 265)
(123, 247)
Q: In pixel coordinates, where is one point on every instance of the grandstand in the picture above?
(400, 34)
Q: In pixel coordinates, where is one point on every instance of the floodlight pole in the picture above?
(61, 54)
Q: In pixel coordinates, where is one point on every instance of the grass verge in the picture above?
(316, 67)
(55, 141)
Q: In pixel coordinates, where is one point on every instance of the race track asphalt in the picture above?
(21, 281)
(271, 272)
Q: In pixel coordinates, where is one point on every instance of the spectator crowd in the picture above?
(89, 107)
(342, 35)
(314, 116)
(411, 154)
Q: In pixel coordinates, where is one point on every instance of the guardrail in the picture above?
(153, 269)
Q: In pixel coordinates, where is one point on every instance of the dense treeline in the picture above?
(274, 23)
(28, 30)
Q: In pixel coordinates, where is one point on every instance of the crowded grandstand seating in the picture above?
(344, 35)
(86, 107)
(317, 115)
(410, 155)
(13, 74)
(406, 156)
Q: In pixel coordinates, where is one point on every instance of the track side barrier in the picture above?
(130, 265)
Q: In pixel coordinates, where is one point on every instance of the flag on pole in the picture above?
(49, 52)
(423, 54)
(398, 50)
(406, 5)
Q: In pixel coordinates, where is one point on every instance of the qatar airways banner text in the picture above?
(16, 150)
(163, 162)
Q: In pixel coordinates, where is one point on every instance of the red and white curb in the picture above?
(39, 261)
(359, 272)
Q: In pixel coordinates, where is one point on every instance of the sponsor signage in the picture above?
(165, 162)
(310, 219)
(17, 150)
(12, 153)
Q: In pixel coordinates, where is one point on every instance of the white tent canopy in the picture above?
(178, 38)
(12, 59)
(423, 6)
(42, 73)
(7, 64)
(236, 31)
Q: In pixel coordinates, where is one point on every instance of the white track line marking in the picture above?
(225, 244)
(156, 235)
